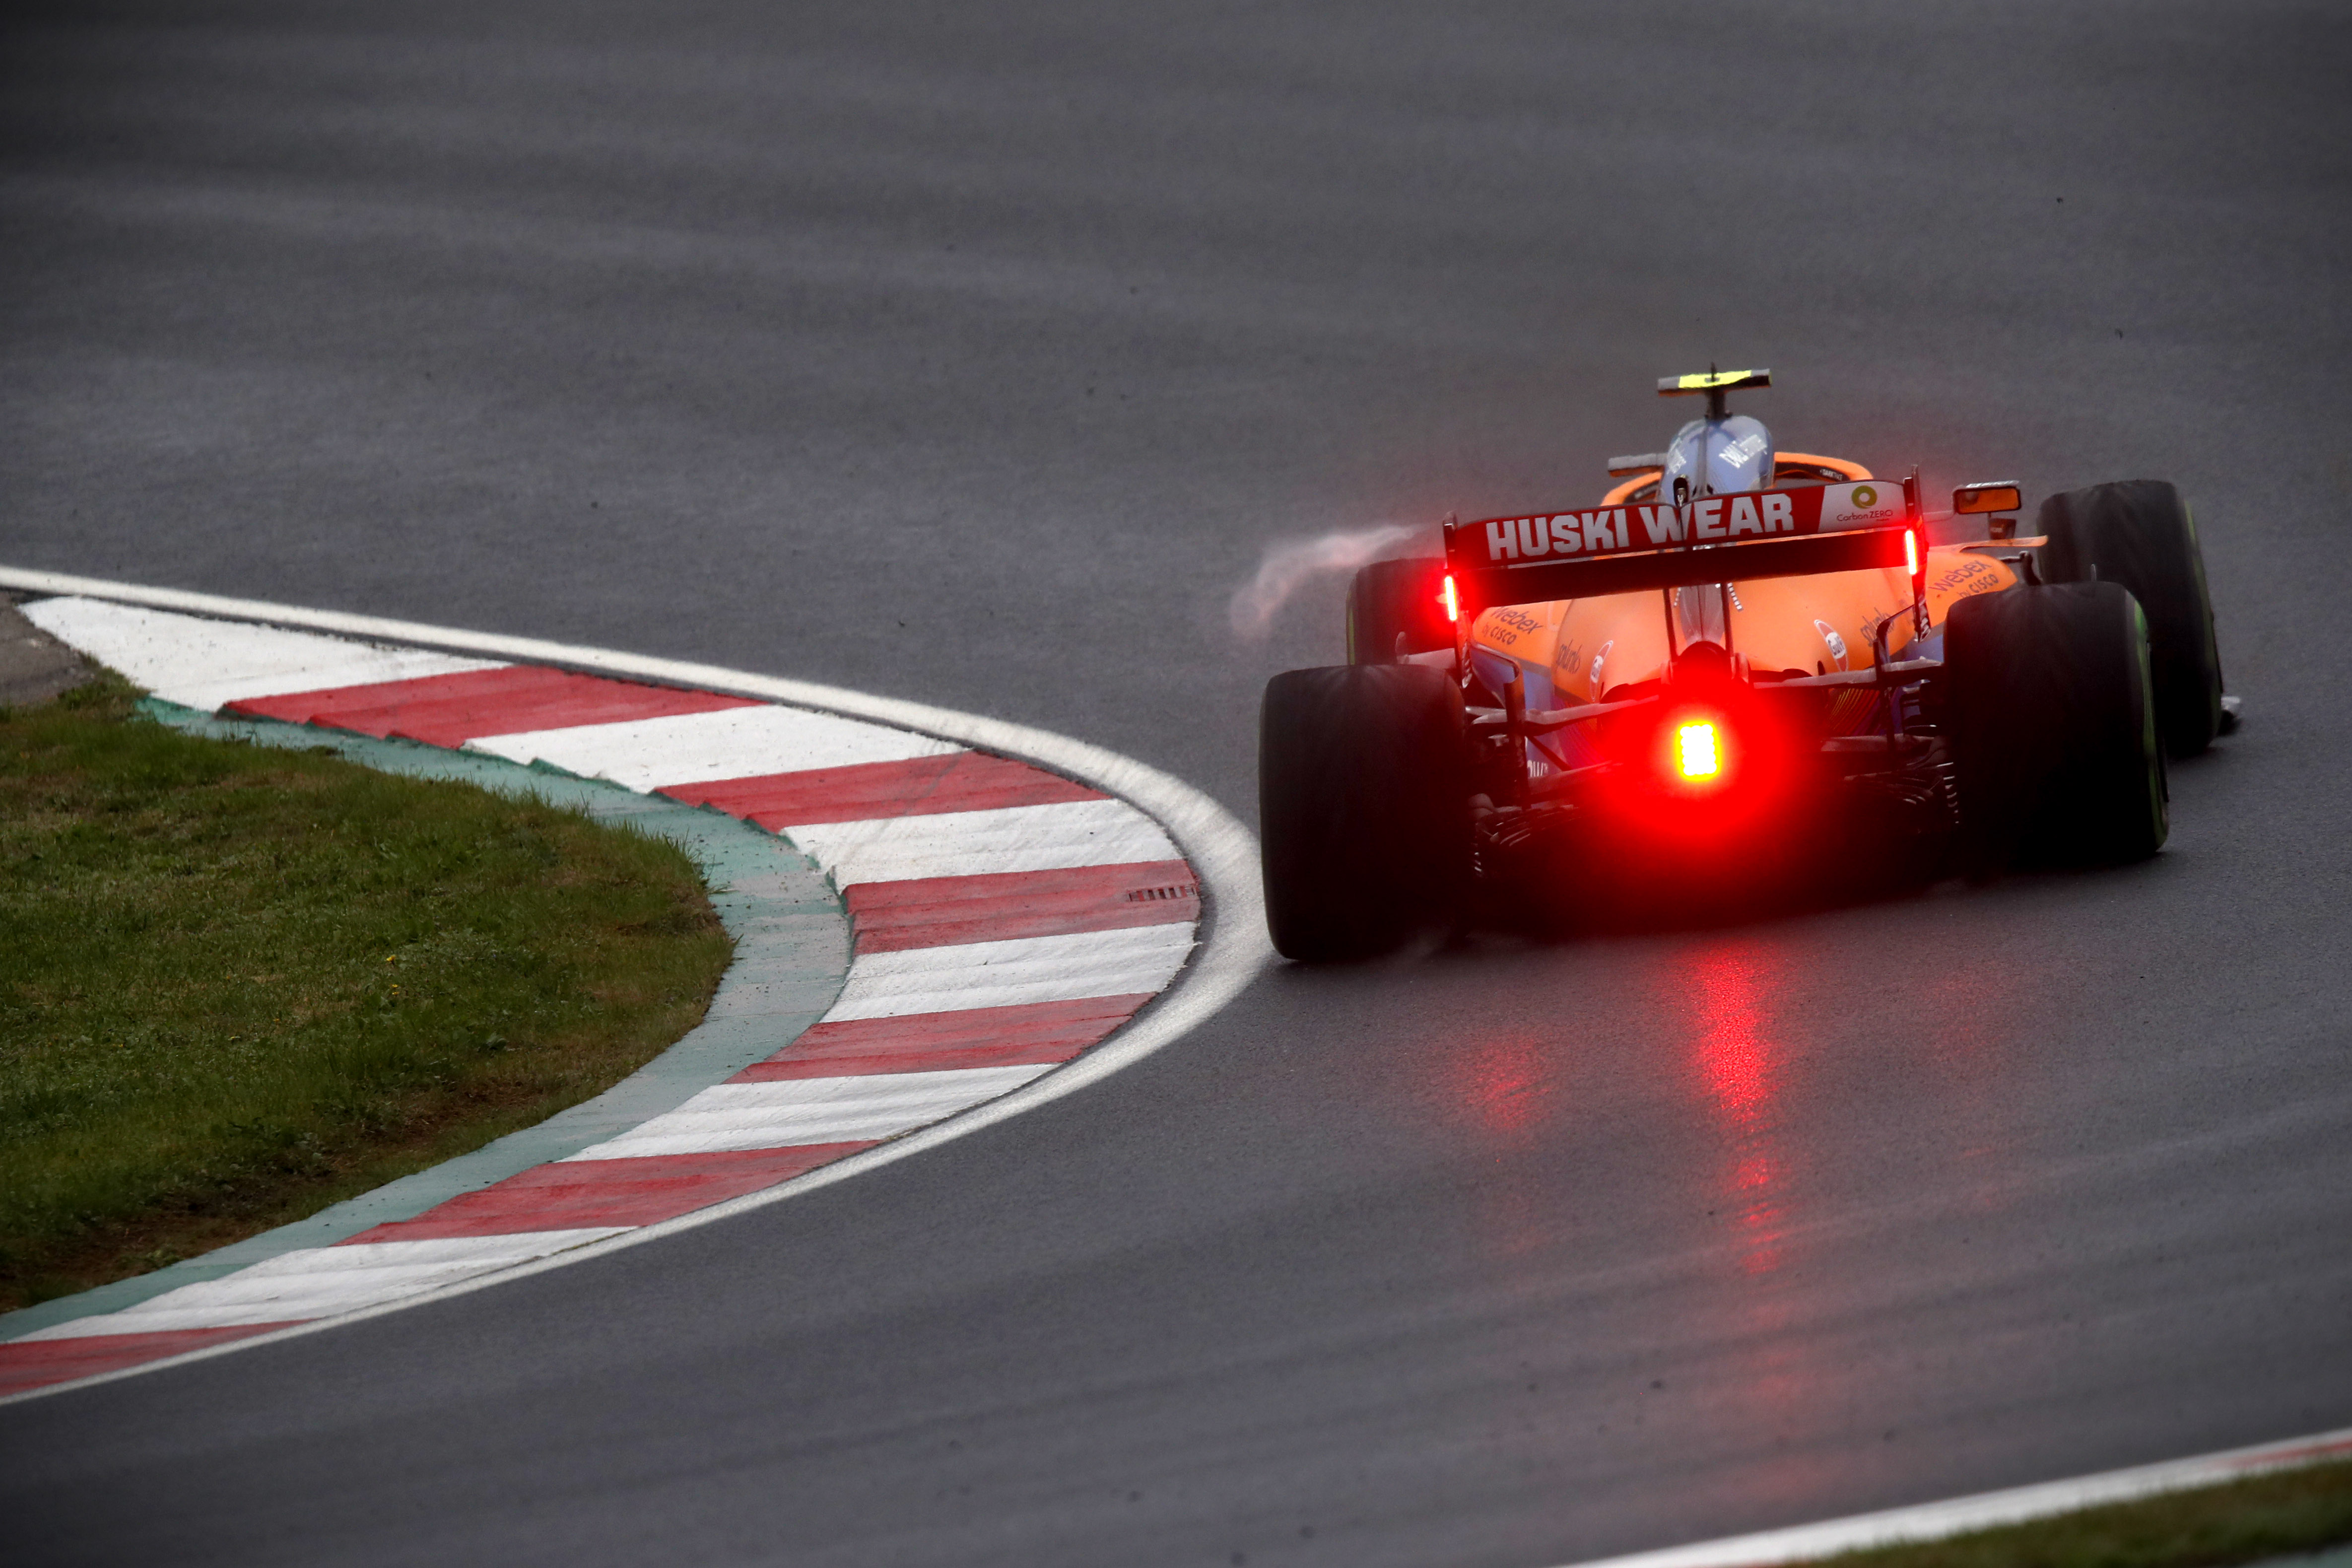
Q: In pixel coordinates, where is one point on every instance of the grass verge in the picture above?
(2286, 1512)
(239, 984)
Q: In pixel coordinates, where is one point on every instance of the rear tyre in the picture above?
(1364, 801)
(2136, 532)
(2053, 727)
(1392, 597)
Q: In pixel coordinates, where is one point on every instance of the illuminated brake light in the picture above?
(1911, 550)
(1695, 751)
(1450, 599)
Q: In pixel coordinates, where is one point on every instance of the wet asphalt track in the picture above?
(973, 354)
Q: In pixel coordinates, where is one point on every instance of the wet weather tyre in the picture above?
(1388, 598)
(2137, 533)
(1363, 802)
(2053, 727)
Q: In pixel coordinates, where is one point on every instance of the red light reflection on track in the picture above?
(1738, 991)
(1501, 1080)
(1734, 1055)
(1502, 1091)
(1739, 1064)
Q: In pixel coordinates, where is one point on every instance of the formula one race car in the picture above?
(1736, 650)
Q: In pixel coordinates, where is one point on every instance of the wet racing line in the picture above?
(1006, 919)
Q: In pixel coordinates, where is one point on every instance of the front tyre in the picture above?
(2138, 533)
(2055, 727)
(1363, 802)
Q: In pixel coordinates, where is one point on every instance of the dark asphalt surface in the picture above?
(975, 354)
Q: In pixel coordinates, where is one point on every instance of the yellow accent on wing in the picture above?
(1708, 381)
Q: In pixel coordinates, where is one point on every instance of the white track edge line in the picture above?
(1985, 1511)
(1224, 853)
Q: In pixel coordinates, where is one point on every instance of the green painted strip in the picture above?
(792, 953)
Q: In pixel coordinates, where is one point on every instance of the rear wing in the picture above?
(1792, 532)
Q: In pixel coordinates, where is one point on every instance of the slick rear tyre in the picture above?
(1363, 802)
(2053, 727)
(1393, 598)
(2136, 532)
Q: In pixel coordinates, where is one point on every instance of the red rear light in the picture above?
(1911, 552)
(1450, 599)
(1696, 752)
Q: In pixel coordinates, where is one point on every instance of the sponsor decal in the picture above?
(1510, 542)
(1568, 533)
(1592, 678)
(1833, 641)
(1860, 506)
(1507, 626)
(1973, 574)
